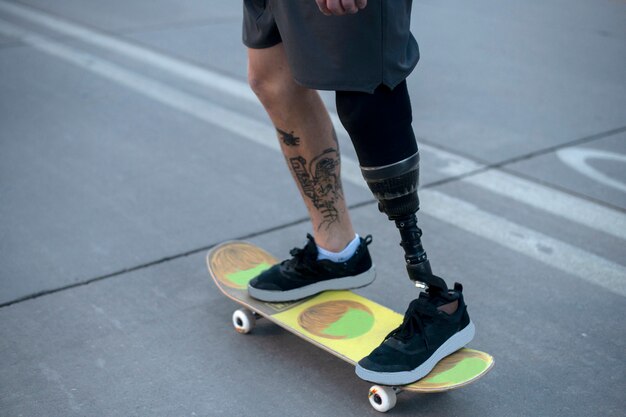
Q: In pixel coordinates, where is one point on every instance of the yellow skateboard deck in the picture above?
(341, 322)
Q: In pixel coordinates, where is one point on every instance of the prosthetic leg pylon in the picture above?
(395, 188)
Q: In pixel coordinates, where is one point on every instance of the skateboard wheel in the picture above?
(243, 320)
(382, 398)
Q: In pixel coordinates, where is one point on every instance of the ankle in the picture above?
(341, 255)
(334, 240)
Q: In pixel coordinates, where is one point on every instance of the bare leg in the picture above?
(308, 142)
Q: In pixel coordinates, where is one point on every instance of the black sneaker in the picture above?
(426, 336)
(303, 275)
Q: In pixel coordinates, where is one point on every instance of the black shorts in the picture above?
(354, 52)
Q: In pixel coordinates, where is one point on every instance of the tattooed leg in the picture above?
(317, 174)
(319, 181)
(308, 143)
(288, 138)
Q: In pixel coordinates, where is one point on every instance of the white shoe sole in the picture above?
(456, 342)
(345, 283)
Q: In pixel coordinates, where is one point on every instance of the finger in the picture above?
(335, 7)
(321, 4)
(349, 6)
(361, 4)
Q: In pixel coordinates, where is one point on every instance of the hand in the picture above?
(340, 7)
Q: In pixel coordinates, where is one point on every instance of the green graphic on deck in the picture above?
(343, 323)
(463, 371)
(354, 323)
(241, 278)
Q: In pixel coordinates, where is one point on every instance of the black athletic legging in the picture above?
(379, 124)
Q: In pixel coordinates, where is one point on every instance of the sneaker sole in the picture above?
(345, 283)
(456, 342)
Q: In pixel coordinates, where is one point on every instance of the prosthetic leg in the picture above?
(395, 188)
(436, 323)
(379, 125)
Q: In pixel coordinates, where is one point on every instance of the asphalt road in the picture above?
(130, 144)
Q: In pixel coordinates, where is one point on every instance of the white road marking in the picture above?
(558, 203)
(156, 90)
(543, 248)
(553, 201)
(577, 158)
(164, 62)
(552, 252)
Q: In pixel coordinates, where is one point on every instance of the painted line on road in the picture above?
(552, 252)
(564, 205)
(577, 158)
(552, 201)
(536, 245)
(156, 90)
(167, 63)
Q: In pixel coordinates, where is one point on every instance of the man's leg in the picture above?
(436, 324)
(379, 125)
(308, 142)
(336, 258)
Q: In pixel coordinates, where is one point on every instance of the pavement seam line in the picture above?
(165, 259)
(606, 218)
(236, 88)
(147, 264)
(263, 134)
(529, 155)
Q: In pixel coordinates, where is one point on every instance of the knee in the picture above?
(264, 86)
(379, 124)
(377, 112)
(354, 110)
(259, 80)
(270, 88)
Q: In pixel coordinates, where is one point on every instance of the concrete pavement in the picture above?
(130, 144)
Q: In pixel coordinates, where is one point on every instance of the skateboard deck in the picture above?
(343, 323)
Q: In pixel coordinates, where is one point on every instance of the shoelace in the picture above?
(303, 258)
(414, 320)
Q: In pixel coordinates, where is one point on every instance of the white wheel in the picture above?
(382, 398)
(243, 320)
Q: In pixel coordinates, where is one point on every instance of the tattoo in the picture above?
(320, 182)
(288, 138)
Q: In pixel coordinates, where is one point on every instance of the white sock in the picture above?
(342, 256)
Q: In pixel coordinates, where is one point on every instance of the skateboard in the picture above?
(342, 323)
